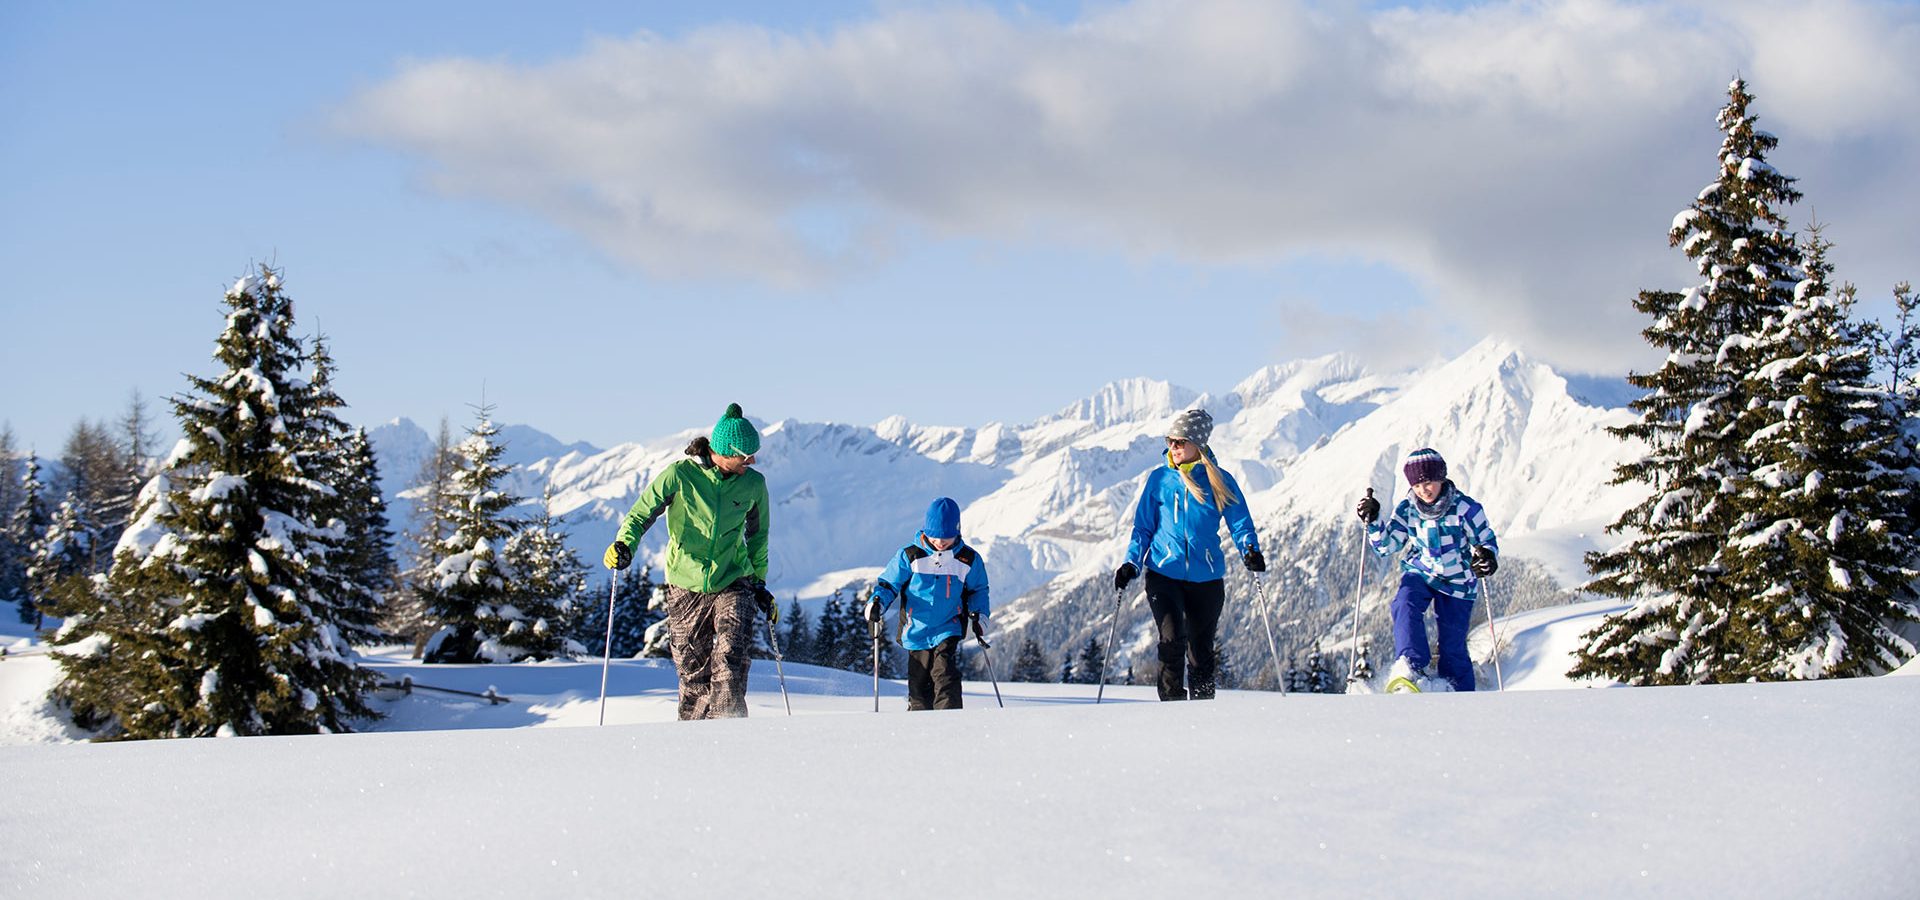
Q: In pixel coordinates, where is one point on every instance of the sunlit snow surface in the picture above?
(1747, 790)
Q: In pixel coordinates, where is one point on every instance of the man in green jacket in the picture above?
(716, 506)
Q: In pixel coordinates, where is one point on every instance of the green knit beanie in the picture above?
(733, 435)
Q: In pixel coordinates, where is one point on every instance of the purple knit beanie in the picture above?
(1424, 464)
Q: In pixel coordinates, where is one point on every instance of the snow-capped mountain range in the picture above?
(1049, 503)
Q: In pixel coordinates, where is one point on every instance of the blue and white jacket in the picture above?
(939, 585)
(1437, 547)
(1178, 536)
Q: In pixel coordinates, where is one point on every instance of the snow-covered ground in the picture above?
(1746, 790)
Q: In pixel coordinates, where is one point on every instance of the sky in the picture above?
(611, 219)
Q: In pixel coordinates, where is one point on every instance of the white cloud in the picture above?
(1522, 159)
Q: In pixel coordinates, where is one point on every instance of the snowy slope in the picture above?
(1553, 793)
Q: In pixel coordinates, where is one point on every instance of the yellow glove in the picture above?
(618, 556)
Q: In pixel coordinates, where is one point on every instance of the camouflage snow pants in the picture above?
(712, 643)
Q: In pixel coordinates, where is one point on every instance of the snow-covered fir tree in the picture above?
(1030, 664)
(1318, 679)
(209, 621)
(362, 568)
(1360, 667)
(472, 588)
(13, 554)
(25, 528)
(1822, 560)
(69, 549)
(1693, 424)
(550, 579)
(409, 615)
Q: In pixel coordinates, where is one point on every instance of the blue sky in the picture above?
(615, 218)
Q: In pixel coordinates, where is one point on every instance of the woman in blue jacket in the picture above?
(942, 587)
(1176, 536)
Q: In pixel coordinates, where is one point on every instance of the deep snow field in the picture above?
(1549, 789)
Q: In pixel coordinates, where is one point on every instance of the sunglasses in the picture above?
(1177, 442)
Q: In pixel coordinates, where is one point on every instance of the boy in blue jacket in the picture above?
(942, 587)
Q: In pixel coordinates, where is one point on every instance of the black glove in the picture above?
(1484, 563)
(764, 598)
(875, 615)
(1368, 509)
(1123, 575)
(618, 556)
(1256, 562)
(973, 622)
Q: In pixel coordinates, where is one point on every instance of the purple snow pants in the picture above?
(1410, 630)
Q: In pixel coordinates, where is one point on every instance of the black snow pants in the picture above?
(933, 676)
(1188, 614)
(712, 643)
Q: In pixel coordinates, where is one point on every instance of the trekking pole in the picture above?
(613, 591)
(874, 628)
(980, 635)
(1359, 579)
(1499, 680)
(1260, 609)
(1107, 655)
(773, 642)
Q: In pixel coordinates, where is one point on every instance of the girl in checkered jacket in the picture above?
(1449, 546)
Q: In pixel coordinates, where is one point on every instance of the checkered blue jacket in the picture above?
(1436, 549)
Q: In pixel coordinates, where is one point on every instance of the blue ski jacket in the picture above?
(1437, 546)
(1178, 536)
(938, 586)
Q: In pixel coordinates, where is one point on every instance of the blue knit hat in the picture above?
(733, 435)
(943, 519)
(1424, 464)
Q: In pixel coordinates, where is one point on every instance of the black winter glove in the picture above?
(1124, 575)
(1256, 562)
(1484, 563)
(875, 615)
(765, 600)
(618, 556)
(973, 623)
(1368, 509)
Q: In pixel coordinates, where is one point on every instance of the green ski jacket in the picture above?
(716, 524)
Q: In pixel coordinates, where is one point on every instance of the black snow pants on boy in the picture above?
(1188, 614)
(933, 676)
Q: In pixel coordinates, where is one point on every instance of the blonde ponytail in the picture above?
(1221, 492)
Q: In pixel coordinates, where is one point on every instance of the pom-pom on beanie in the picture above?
(943, 519)
(733, 435)
(1424, 464)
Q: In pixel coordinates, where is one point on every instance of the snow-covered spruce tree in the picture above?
(1692, 420)
(409, 615)
(26, 528)
(360, 569)
(13, 577)
(550, 579)
(209, 621)
(1822, 561)
(71, 548)
(472, 588)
